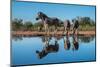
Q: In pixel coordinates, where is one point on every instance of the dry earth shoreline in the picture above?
(59, 33)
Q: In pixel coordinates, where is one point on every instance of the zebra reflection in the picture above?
(75, 42)
(66, 43)
(48, 48)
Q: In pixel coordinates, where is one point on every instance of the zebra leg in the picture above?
(74, 30)
(68, 31)
(48, 33)
(55, 30)
(45, 28)
(65, 30)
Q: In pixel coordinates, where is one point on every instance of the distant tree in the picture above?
(86, 21)
(28, 26)
(38, 24)
(17, 24)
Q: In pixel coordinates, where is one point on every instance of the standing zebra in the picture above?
(75, 26)
(47, 21)
(67, 27)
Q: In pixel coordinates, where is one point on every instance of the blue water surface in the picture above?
(24, 50)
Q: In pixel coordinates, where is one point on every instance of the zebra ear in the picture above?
(72, 20)
(39, 13)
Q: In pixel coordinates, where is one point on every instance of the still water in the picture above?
(44, 50)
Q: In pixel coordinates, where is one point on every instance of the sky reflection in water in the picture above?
(42, 50)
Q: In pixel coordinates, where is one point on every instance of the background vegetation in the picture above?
(86, 23)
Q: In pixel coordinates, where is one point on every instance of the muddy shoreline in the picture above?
(59, 33)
